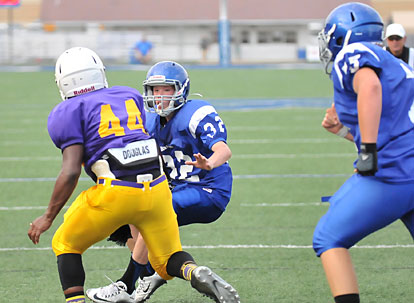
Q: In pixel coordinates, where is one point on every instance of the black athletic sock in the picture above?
(131, 275)
(147, 271)
(71, 272)
(350, 298)
(75, 297)
(181, 265)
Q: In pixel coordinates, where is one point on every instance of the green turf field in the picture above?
(283, 162)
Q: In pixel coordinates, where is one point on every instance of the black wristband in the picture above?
(368, 147)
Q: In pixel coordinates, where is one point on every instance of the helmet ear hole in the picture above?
(339, 41)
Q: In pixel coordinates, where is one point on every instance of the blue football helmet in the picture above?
(346, 24)
(166, 73)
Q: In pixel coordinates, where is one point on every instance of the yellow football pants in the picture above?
(98, 211)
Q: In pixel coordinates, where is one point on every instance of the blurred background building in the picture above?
(261, 31)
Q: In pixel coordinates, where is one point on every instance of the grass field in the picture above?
(283, 162)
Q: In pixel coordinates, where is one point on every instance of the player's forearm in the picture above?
(369, 111)
(368, 88)
(221, 155)
(64, 187)
(67, 180)
(349, 137)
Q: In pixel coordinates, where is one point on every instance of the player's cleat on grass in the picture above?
(147, 286)
(116, 292)
(210, 284)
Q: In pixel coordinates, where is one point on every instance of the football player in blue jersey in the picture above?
(373, 96)
(192, 139)
(103, 129)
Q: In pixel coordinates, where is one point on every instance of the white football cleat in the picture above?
(205, 281)
(147, 286)
(116, 292)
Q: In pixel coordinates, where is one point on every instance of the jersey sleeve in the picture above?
(207, 125)
(65, 126)
(352, 58)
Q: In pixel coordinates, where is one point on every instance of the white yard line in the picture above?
(285, 140)
(293, 156)
(19, 159)
(222, 246)
(237, 156)
(18, 208)
(281, 204)
(234, 141)
(292, 204)
(261, 176)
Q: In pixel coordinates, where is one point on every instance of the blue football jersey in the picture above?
(194, 128)
(395, 141)
(99, 120)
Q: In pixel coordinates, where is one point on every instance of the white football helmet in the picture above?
(79, 70)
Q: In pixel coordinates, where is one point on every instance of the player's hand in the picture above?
(367, 163)
(37, 227)
(200, 162)
(331, 121)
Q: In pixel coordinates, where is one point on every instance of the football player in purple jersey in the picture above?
(103, 129)
(192, 138)
(374, 94)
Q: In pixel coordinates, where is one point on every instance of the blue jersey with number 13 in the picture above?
(395, 141)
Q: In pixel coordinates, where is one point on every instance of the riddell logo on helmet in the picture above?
(84, 90)
(157, 77)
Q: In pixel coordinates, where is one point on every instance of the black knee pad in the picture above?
(71, 272)
(176, 261)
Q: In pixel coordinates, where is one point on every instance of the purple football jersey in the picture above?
(99, 120)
